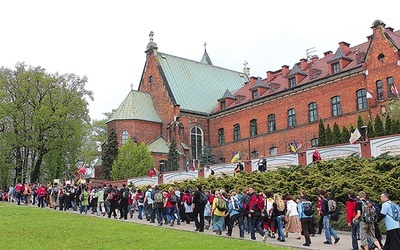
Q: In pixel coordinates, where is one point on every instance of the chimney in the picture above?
(329, 52)
(314, 58)
(270, 75)
(303, 64)
(345, 47)
(285, 70)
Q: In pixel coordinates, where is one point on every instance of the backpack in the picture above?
(237, 205)
(173, 199)
(308, 208)
(221, 205)
(158, 197)
(55, 190)
(368, 213)
(246, 202)
(188, 200)
(332, 205)
(141, 198)
(260, 202)
(203, 199)
(125, 193)
(395, 211)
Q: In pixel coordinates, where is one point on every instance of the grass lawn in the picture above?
(25, 227)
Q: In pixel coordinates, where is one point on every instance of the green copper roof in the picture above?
(137, 106)
(160, 145)
(197, 86)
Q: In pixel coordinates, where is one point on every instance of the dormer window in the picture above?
(255, 94)
(335, 67)
(223, 104)
(292, 82)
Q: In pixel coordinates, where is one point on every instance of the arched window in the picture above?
(124, 137)
(196, 142)
(253, 127)
(221, 136)
(379, 89)
(361, 99)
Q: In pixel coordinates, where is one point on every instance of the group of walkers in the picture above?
(263, 213)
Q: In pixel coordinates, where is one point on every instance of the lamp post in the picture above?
(366, 132)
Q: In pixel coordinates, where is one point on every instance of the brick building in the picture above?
(200, 104)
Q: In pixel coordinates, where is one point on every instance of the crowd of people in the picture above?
(255, 213)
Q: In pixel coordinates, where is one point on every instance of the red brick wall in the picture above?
(143, 131)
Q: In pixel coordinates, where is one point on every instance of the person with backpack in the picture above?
(329, 232)
(235, 211)
(55, 192)
(254, 216)
(140, 203)
(246, 202)
(366, 216)
(123, 202)
(351, 212)
(148, 204)
(170, 205)
(187, 200)
(158, 204)
(305, 215)
(218, 209)
(391, 213)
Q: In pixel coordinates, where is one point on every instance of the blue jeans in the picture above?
(354, 229)
(140, 212)
(170, 213)
(329, 232)
(279, 223)
(84, 209)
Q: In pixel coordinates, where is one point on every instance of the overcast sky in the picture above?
(106, 40)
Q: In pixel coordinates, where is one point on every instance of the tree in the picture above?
(110, 153)
(45, 115)
(321, 134)
(345, 137)
(360, 122)
(207, 157)
(328, 135)
(371, 131)
(336, 134)
(378, 126)
(173, 156)
(132, 161)
(388, 125)
(394, 109)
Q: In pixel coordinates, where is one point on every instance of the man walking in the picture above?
(329, 232)
(199, 204)
(392, 226)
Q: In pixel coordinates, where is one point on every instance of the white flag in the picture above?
(369, 95)
(355, 136)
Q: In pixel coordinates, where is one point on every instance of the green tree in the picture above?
(173, 156)
(397, 127)
(394, 109)
(321, 134)
(110, 153)
(207, 157)
(378, 126)
(45, 115)
(360, 122)
(371, 131)
(389, 128)
(345, 137)
(328, 135)
(336, 134)
(132, 161)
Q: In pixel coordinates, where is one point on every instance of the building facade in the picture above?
(200, 104)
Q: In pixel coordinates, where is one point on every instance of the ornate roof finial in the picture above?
(151, 36)
(131, 86)
(151, 45)
(245, 63)
(205, 46)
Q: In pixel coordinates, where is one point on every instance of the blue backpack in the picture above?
(238, 206)
(395, 211)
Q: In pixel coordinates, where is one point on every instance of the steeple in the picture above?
(206, 59)
(151, 46)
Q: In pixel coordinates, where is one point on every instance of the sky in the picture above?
(105, 40)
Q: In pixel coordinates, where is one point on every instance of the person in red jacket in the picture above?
(351, 212)
(18, 192)
(42, 193)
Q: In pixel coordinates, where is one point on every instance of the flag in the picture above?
(393, 89)
(236, 157)
(354, 136)
(294, 147)
(370, 95)
(194, 164)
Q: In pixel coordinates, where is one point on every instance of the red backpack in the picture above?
(261, 202)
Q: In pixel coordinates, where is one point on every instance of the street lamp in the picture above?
(366, 132)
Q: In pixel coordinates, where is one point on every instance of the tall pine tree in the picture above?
(378, 126)
(328, 135)
(336, 134)
(207, 157)
(345, 137)
(173, 156)
(360, 122)
(110, 153)
(371, 131)
(321, 134)
(388, 125)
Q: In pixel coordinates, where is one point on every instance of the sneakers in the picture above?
(306, 244)
(328, 242)
(265, 236)
(172, 223)
(337, 240)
